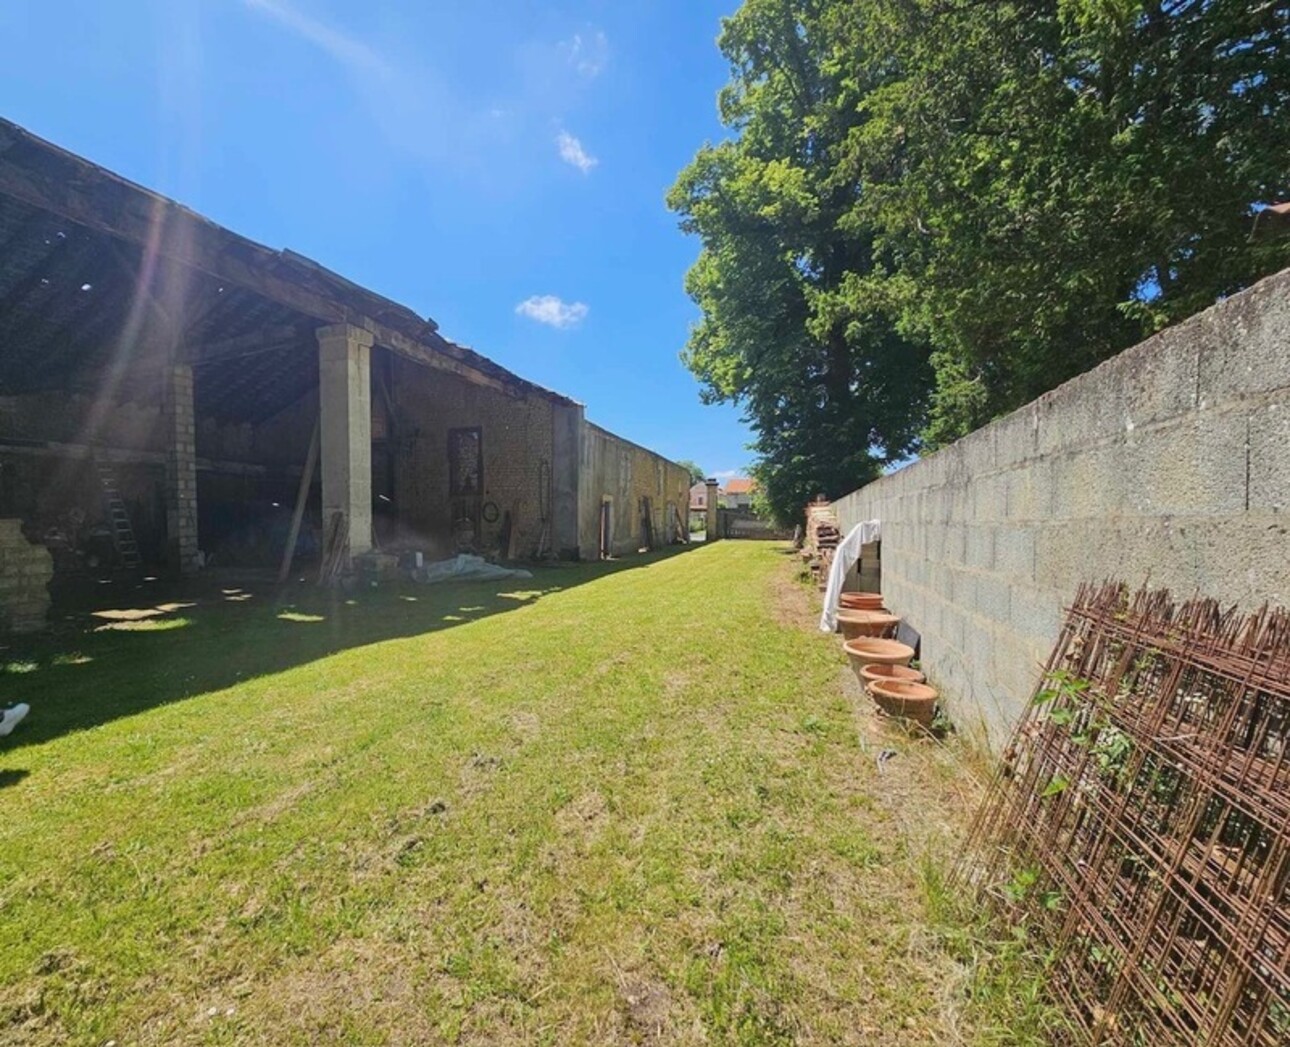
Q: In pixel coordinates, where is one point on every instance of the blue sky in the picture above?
(497, 165)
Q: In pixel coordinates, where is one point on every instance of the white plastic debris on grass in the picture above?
(466, 568)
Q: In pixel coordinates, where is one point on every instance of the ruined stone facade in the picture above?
(150, 354)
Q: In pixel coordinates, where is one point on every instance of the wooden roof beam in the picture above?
(61, 183)
(275, 336)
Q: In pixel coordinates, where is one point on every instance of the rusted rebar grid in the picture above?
(1139, 825)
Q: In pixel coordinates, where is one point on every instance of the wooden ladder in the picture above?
(122, 533)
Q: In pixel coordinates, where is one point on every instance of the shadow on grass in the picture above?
(119, 649)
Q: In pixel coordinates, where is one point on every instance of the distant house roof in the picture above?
(740, 485)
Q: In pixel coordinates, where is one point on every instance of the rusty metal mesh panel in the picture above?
(1140, 822)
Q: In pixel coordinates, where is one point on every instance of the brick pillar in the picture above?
(181, 469)
(712, 510)
(345, 406)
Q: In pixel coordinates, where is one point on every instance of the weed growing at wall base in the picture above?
(1004, 991)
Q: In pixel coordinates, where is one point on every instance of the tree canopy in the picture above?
(697, 475)
(931, 211)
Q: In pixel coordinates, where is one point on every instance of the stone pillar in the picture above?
(567, 424)
(345, 406)
(712, 510)
(181, 469)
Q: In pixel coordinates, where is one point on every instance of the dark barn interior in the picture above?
(166, 386)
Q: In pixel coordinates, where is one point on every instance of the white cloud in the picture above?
(408, 100)
(572, 153)
(421, 113)
(350, 52)
(552, 310)
(588, 54)
(726, 474)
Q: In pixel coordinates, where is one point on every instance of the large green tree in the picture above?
(1056, 179)
(797, 326)
(1019, 188)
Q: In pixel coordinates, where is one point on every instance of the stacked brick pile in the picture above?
(25, 571)
(822, 537)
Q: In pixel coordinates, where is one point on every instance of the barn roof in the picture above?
(99, 276)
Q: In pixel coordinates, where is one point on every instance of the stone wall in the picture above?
(517, 442)
(1168, 464)
(624, 474)
(743, 523)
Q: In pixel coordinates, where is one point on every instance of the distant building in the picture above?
(699, 497)
(738, 493)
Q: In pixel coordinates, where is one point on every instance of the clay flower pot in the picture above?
(866, 623)
(914, 701)
(861, 601)
(865, 651)
(877, 671)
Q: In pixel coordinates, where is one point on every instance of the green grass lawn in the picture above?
(619, 803)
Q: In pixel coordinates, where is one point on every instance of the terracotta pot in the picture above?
(866, 623)
(914, 701)
(861, 601)
(870, 673)
(869, 651)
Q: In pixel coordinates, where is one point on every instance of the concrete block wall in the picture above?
(1169, 464)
